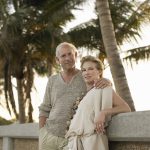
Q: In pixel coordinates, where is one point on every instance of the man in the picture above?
(62, 91)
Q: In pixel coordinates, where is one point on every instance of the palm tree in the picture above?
(113, 57)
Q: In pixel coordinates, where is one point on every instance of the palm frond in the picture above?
(131, 22)
(137, 54)
(87, 35)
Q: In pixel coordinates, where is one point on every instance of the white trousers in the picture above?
(48, 141)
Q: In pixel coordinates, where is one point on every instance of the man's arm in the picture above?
(45, 107)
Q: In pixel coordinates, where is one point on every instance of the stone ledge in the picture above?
(27, 130)
(134, 126)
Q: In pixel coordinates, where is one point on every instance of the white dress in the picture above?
(81, 132)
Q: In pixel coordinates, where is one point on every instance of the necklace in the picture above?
(75, 106)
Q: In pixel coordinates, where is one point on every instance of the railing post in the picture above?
(8, 143)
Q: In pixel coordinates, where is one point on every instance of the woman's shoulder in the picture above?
(101, 89)
(108, 88)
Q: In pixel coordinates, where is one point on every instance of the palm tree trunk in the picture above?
(30, 111)
(21, 101)
(113, 57)
(49, 67)
(29, 82)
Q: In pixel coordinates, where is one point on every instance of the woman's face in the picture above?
(89, 72)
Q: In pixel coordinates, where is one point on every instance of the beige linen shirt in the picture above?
(58, 102)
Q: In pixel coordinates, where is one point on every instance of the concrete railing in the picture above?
(130, 131)
(13, 135)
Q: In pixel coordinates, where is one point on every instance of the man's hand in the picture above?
(102, 83)
(42, 120)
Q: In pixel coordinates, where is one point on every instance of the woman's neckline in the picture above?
(90, 88)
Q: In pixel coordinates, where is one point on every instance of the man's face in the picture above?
(66, 57)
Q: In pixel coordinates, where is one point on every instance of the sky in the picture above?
(138, 77)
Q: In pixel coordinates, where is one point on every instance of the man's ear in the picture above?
(76, 54)
(101, 74)
(57, 60)
(76, 57)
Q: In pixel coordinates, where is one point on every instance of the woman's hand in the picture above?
(102, 83)
(99, 122)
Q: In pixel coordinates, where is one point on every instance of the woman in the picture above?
(87, 128)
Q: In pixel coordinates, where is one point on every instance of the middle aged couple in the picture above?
(84, 89)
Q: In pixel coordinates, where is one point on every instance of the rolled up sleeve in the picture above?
(45, 107)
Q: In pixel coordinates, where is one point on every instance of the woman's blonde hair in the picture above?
(99, 64)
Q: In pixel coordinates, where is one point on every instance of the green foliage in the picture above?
(4, 121)
(89, 33)
(136, 54)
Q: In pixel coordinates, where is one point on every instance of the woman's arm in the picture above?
(119, 106)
